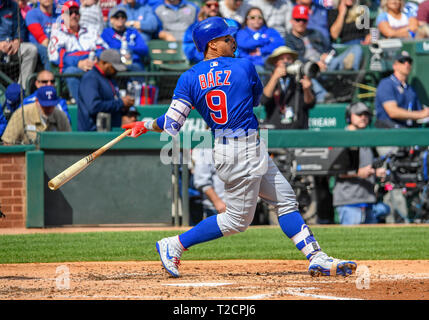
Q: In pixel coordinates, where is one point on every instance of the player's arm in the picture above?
(171, 121)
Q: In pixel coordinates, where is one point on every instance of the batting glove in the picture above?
(137, 128)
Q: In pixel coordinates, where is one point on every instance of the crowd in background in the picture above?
(69, 37)
(68, 34)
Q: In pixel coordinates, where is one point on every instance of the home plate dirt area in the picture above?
(212, 280)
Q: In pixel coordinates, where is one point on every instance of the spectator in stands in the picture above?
(70, 47)
(209, 8)
(342, 24)
(393, 22)
(255, 41)
(141, 17)
(234, 9)
(91, 16)
(39, 23)
(11, 40)
(130, 116)
(11, 103)
(423, 20)
(277, 13)
(47, 78)
(396, 102)
(287, 102)
(99, 93)
(313, 46)
(127, 39)
(354, 193)
(42, 115)
(318, 15)
(174, 17)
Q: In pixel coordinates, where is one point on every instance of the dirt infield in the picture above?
(205, 280)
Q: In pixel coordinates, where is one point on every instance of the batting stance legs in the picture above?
(248, 172)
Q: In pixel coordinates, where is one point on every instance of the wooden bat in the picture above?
(83, 163)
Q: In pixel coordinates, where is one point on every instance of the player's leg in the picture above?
(276, 190)
(242, 178)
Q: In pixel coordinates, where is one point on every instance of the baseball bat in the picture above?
(83, 163)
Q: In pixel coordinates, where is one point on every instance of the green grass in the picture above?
(372, 243)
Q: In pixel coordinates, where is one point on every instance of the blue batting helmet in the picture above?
(209, 29)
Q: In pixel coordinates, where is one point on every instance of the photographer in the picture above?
(287, 97)
(354, 194)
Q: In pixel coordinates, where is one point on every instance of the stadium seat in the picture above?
(167, 56)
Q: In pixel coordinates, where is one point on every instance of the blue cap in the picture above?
(13, 95)
(47, 96)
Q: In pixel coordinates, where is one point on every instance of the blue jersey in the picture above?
(224, 91)
(36, 20)
(391, 89)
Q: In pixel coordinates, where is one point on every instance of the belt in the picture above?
(227, 140)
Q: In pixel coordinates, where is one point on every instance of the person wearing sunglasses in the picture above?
(47, 78)
(396, 102)
(39, 116)
(255, 40)
(70, 47)
(209, 8)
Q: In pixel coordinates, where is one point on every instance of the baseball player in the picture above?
(224, 90)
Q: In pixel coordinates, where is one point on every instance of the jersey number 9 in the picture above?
(216, 101)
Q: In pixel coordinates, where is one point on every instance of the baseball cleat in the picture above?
(322, 265)
(170, 252)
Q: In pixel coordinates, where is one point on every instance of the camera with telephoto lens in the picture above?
(300, 69)
(407, 166)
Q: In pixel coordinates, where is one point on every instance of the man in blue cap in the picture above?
(12, 102)
(42, 115)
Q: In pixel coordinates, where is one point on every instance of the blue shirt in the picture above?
(391, 89)
(266, 39)
(97, 93)
(217, 90)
